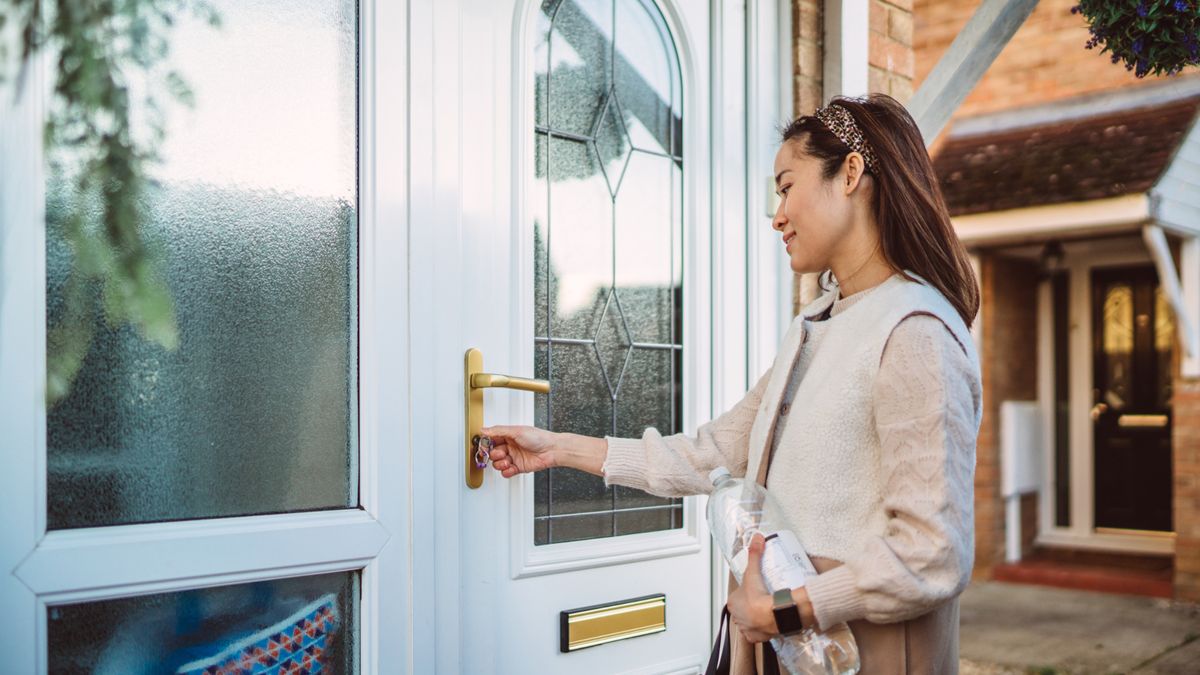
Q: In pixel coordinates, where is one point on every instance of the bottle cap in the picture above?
(717, 474)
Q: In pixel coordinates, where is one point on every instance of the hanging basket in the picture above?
(1152, 37)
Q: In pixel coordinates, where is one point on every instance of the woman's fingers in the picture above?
(752, 577)
(500, 431)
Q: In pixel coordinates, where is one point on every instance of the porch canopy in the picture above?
(1103, 165)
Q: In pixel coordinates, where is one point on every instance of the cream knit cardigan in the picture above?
(875, 462)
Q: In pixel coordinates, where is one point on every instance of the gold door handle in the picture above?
(485, 380)
(1098, 410)
(1142, 421)
(475, 381)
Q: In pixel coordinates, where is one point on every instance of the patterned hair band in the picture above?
(839, 120)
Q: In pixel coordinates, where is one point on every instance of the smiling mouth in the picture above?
(788, 239)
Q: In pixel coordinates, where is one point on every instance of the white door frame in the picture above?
(41, 569)
(1081, 258)
(753, 302)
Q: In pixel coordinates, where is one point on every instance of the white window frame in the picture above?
(70, 566)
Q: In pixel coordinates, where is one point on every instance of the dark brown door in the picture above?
(1133, 340)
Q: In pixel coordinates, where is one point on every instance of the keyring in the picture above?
(483, 451)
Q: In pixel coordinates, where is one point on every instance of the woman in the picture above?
(868, 418)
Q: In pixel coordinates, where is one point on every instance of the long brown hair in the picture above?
(914, 224)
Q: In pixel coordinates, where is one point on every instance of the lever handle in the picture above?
(474, 382)
(485, 380)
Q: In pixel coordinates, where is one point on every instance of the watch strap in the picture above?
(787, 614)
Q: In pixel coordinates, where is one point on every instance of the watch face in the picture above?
(787, 614)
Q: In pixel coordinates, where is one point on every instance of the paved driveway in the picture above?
(1016, 628)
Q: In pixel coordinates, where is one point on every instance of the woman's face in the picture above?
(814, 215)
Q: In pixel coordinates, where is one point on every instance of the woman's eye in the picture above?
(784, 189)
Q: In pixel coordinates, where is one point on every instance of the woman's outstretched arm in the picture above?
(678, 465)
(927, 409)
(668, 466)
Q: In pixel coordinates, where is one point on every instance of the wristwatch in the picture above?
(787, 614)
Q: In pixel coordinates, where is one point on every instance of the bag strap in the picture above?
(718, 661)
(770, 660)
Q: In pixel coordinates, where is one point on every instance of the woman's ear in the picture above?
(854, 167)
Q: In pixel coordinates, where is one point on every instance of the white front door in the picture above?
(230, 502)
(566, 234)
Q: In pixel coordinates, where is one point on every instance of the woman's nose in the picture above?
(779, 220)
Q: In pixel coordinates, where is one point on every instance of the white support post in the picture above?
(1012, 529)
(964, 63)
(847, 47)
(1186, 309)
(1189, 273)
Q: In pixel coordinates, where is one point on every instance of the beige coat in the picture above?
(935, 530)
(927, 644)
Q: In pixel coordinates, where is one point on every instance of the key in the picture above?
(483, 451)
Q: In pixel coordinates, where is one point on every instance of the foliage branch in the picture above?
(1151, 37)
(103, 125)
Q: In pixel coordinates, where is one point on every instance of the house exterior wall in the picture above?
(1045, 60)
(1186, 448)
(891, 61)
(807, 62)
(1009, 369)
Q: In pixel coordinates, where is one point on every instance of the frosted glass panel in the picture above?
(608, 228)
(579, 239)
(255, 216)
(579, 64)
(305, 624)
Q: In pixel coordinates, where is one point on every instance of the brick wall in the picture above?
(808, 34)
(1009, 363)
(1045, 61)
(808, 30)
(1186, 451)
(1029, 523)
(891, 60)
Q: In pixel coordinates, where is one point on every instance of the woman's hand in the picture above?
(520, 449)
(750, 606)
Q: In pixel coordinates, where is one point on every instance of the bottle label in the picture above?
(784, 563)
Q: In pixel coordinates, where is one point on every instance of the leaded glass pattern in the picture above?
(1118, 345)
(607, 211)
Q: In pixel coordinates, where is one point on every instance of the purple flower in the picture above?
(1142, 11)
(1138, 44)
(1181, 6)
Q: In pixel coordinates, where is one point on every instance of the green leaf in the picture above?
(89, 132)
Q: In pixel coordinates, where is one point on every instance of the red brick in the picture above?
(1044, 61)
(900, 26)
(877, 20)
(807, 21)
(890, 55)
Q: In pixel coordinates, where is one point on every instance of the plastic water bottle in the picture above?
(739, 509)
